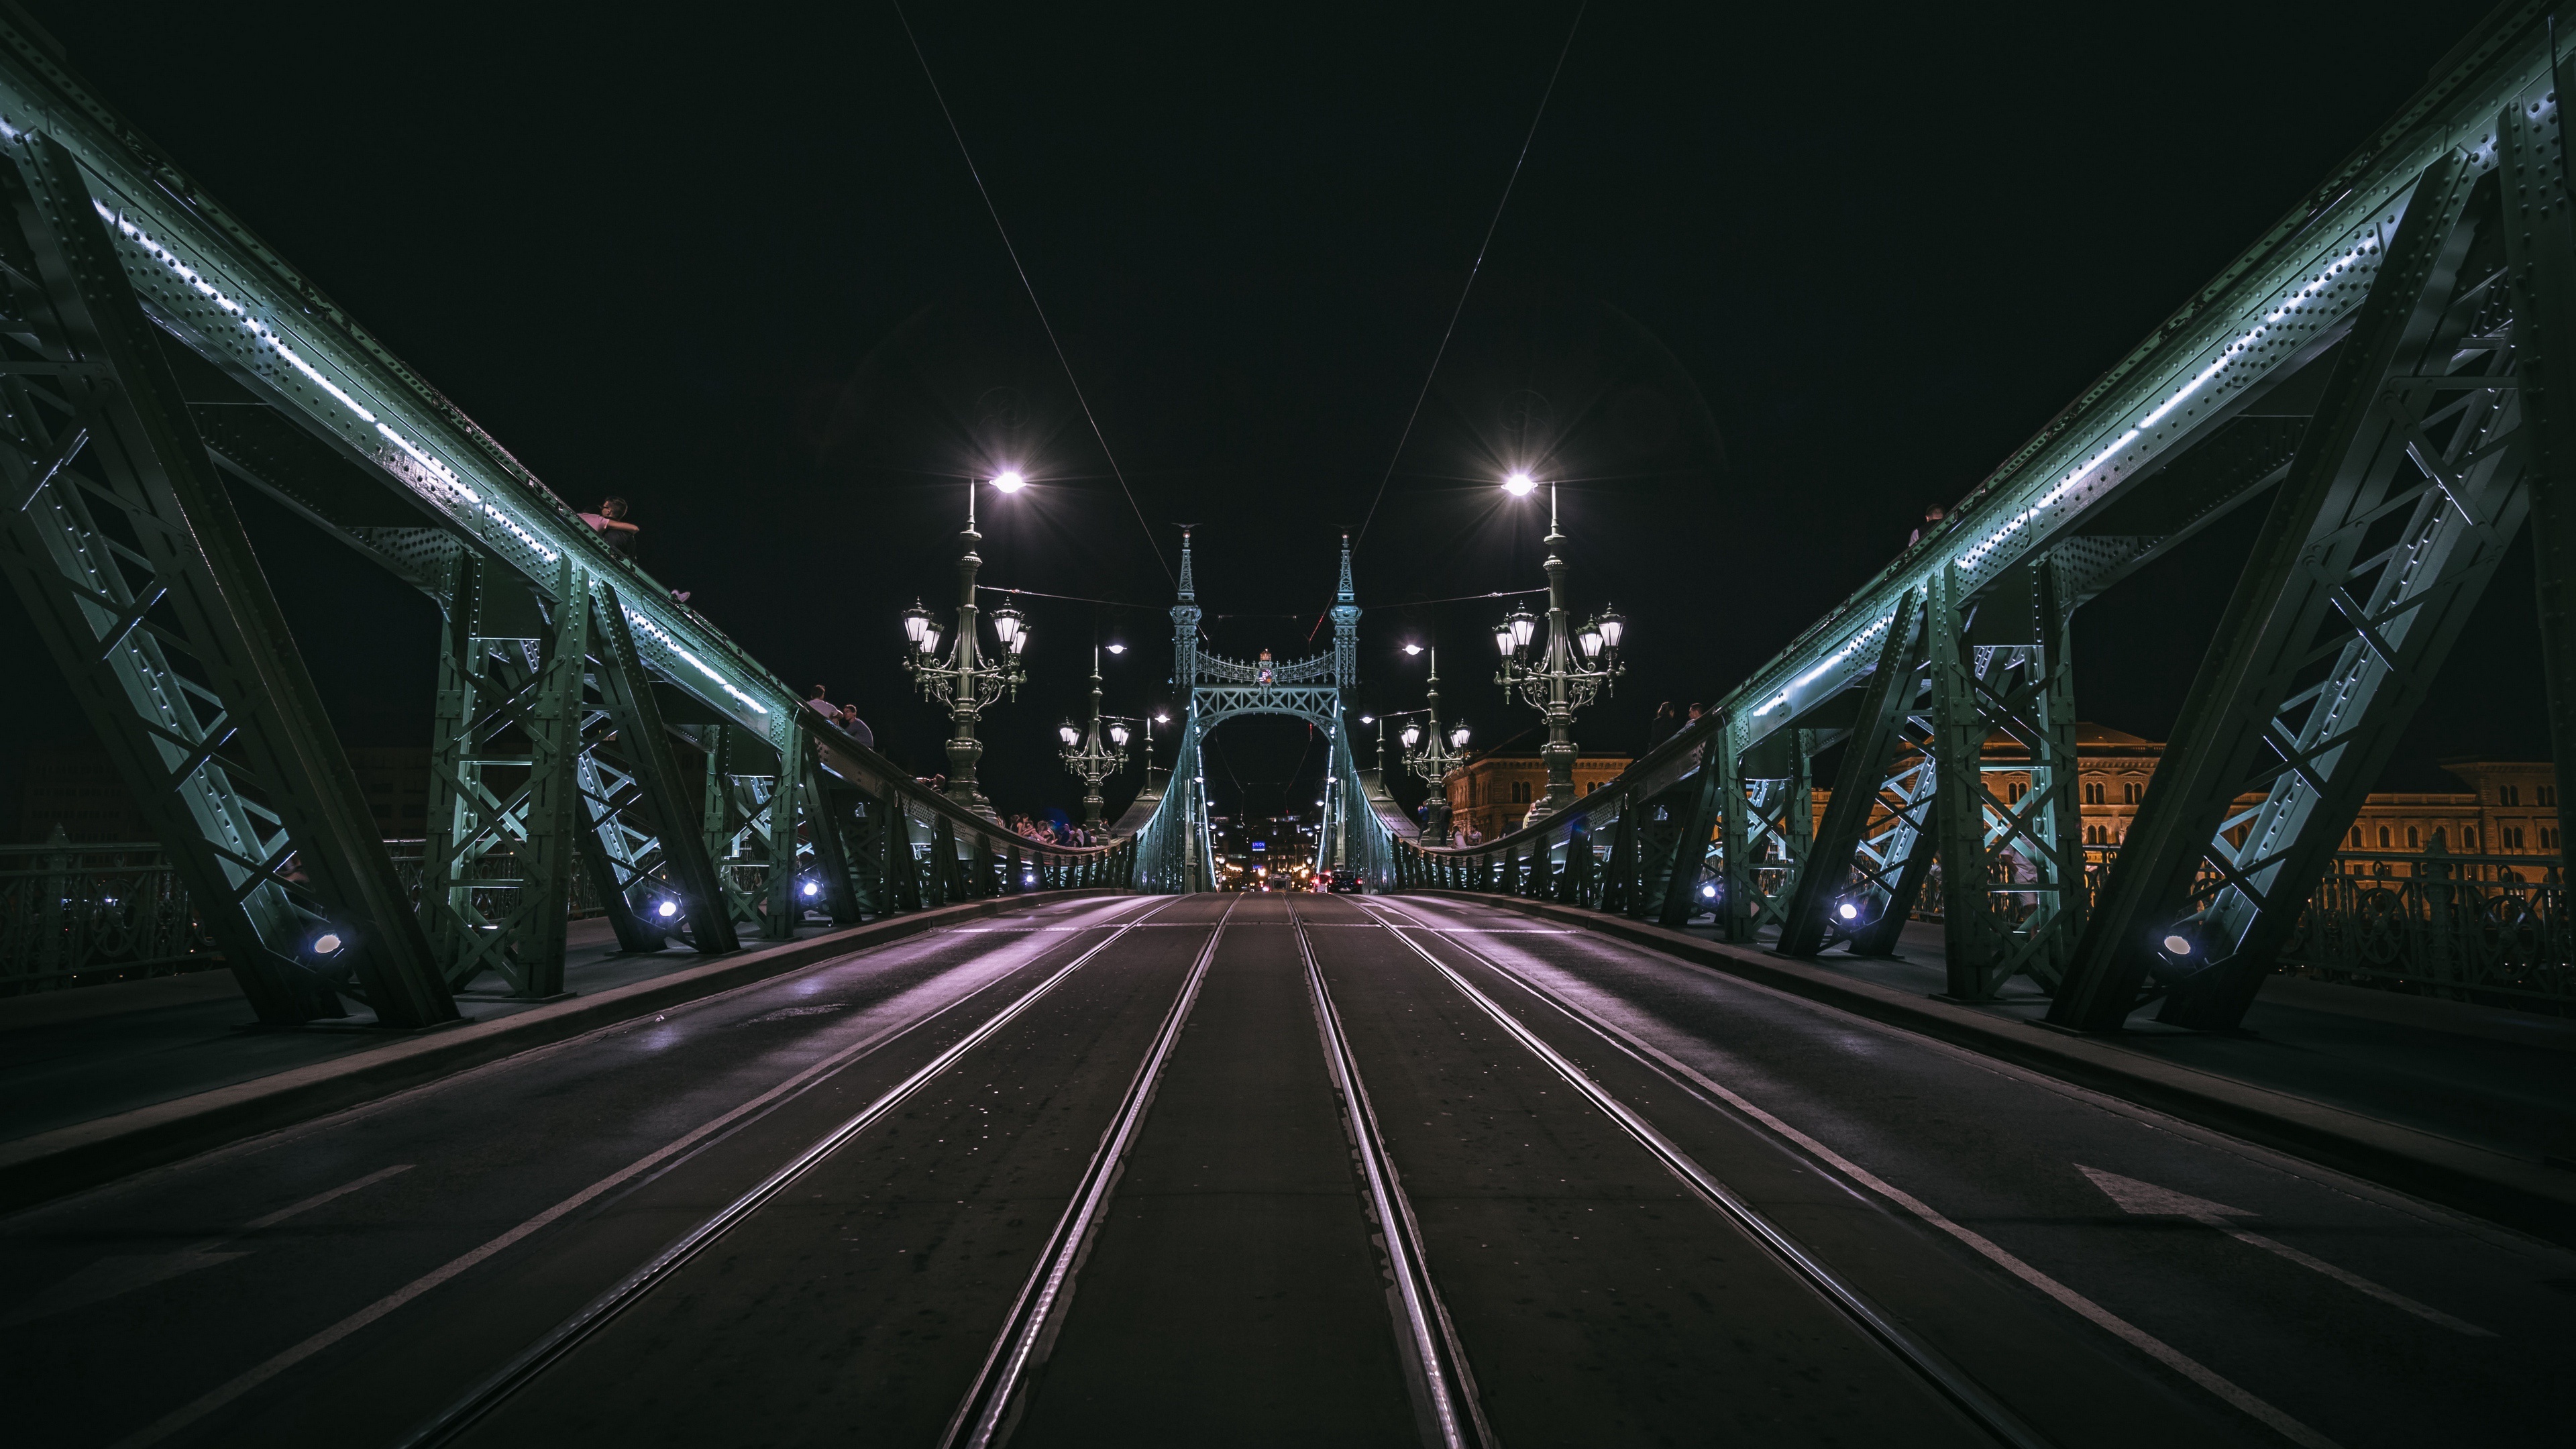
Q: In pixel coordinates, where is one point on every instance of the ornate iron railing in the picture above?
(2487, 929)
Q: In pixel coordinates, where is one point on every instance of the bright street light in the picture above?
(1519, 485)
(1412, 648)
(1117, 648)
(1010, 481)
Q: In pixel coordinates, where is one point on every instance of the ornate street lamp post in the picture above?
(1570, 670)
(965, 681)
(1087, 758)
(1437, 755)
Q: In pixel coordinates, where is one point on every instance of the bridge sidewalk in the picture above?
(2470, 1107)
(102, 1081)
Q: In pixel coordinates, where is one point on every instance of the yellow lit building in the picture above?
(1493, 793)
(2509, 808)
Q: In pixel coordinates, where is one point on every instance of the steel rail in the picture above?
(488, 1395)
(1439, 1360)
(981, 1417)
(1945, 1378)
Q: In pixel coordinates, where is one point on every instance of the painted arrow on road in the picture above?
(2145, 1199)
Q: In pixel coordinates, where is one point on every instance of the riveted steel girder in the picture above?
(1808, 920)
(125, 547)
(2401, 499)
(2012, 870)
(496, 864)
(2540, 253)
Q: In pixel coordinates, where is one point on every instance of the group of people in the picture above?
(1669, 721)
(1044, 832)
(845, 717)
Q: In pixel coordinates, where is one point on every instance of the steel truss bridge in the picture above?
(153, 352)
(2379, 387)
(1176, 848)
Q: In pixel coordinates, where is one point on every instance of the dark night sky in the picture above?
(1781, 276)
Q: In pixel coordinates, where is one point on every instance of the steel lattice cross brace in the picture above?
(151, 341)
(1769, 825)
(2404, 492)
(2012, 870)
(493, 803)
(124, 546)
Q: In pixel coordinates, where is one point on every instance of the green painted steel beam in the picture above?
(2272, 309)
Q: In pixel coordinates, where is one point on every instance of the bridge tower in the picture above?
(1176, 849)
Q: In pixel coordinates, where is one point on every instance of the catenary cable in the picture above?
(1456, 312)
(1031, 288)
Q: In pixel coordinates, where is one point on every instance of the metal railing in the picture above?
(87, 914)
(83, 915)
(2487, 929)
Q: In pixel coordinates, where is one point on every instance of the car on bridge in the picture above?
(1345, 881)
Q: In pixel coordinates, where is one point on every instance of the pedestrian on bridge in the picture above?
(611, 525)
(1667, 723)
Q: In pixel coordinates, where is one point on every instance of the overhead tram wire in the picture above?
(1031, 288)
(1477, 266)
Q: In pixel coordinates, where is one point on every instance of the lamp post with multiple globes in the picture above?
(966, 681)
(1567, 671)
(1431, 754)
(1089, 760)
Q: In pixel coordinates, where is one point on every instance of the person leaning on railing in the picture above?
(611, 525)
(844, 718)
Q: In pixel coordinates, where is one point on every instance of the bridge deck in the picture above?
(353, 1280)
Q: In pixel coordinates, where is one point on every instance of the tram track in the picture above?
(531, 1364)
(1696, 1085)
(1927, 1363)
(983, 1417)
(1438, 1361)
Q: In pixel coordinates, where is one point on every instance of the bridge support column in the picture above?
(1808, 920)
(501, 667)
(1777, 825)
(645, 743)
(2404, 492)
(2540, 250)
(2012, 871)
(733, 814)
(166, 631)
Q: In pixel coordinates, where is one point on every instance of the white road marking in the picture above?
(122, 1273)
(2112, 1323)
(2145, 1199)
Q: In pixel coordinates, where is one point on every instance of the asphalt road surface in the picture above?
(1266, 1170)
